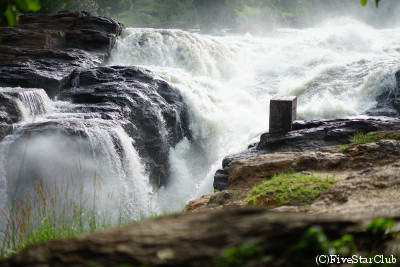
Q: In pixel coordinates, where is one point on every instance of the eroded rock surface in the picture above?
(368, 178)
(198, 240)
(306, 135)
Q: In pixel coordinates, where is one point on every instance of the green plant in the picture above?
(240, 255)
(343, 148)
(364, 2)
(288, 188)
(9, 10)
(360, 137)
(51, 211)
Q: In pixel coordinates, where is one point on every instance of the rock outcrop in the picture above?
(199, 240)
(42, 50)
(367, 174)
(306, 135)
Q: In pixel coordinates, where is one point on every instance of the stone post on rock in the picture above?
(282, 113)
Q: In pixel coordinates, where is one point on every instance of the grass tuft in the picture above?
(288, 189)
(359, 138)
(50, 212)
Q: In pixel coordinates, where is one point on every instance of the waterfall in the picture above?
(36, 101)
(336, 69)
(99, 164)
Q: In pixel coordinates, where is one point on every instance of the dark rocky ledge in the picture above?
(42, 50)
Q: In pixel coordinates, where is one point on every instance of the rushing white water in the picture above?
(336, 69)
(100, 169)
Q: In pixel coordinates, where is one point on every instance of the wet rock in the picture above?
(152, 111)
(171, 241)
(388, 102)
(9, 114)
(42, 50)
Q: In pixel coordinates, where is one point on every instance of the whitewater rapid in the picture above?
(336, 70)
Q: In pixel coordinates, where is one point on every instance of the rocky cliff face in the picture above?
(62, 54)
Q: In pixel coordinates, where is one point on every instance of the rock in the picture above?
(306, 135)
(172, 241)
(367, 176)
(9, 114)
(42, 50)
(387, 102)
(151, 111)
(45, 68)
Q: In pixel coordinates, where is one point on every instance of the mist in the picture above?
(240, 16)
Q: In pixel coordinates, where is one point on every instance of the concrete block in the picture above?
(282, 113)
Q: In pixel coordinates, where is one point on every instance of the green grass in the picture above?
(240, 255)
(359, 138)
(343, 148)
(288, 189)
(51, 212)
(58, 211)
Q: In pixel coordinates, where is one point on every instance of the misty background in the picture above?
(236, 15)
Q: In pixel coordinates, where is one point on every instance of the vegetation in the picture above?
(50, 212)
(313, 242)
(241, 255)
(288, 188)
(343, 148)
(9, 10)
(359, 138)
(193, 13)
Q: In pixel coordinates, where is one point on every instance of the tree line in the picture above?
(194, 13)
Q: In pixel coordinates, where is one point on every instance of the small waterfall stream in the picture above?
(100, 162)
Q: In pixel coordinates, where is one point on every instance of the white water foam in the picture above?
(336, 70)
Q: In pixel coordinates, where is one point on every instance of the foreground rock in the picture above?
(200, 239)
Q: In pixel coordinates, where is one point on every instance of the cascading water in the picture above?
(336, 70)
(97, 165)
